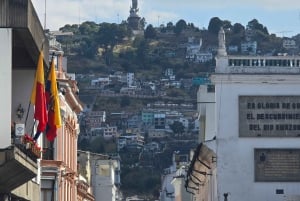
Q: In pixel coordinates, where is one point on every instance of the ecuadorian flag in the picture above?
(54, 118)
(38, 97)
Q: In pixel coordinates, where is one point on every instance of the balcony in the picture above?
(17, 166)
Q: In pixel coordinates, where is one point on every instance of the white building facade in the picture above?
(102, 172)
(255, 154)
(257, 128)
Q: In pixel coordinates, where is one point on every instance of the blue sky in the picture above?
(281, 17)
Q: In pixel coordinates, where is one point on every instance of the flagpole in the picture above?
(28, 109)
(45, 18)
(27, 113)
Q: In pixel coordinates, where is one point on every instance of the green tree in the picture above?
(255, 25)
(150, 32)
(214, 25)
(147, 182)
(88, 28)
(238, 28)
(83, 144)
(88, 47)
(125, 101)
(170, 25)
(226, 25)
(177, 128)
(180, 26)
(236, 35)
(108, 36)
(69, 28)
(141, 52)
(97, 145)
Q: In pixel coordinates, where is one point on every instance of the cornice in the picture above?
(256, 78)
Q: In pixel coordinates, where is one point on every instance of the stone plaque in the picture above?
(269, 116)
(277, 165)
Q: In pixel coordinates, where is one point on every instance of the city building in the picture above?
(130, 141)
(159, 120)
(59, 174)
(148, 117)
(289, 43)
(173, 179)
(249, 47)
(130, 79)
(157, 133)
(110, 132)
(194, 53)
(254, 150)
(22, 40)
(100, 82)
(102, 173)
(95, 119)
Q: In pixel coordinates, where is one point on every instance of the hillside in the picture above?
(106, 48)
(103, 49)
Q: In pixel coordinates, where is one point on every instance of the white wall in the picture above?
(21, 93)
(103, 185)
(235, 155)
(206, 110)
(5, 86)
(15, 89)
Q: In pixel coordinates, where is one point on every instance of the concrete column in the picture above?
(5, 86)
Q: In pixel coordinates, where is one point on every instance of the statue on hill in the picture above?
(134, 20)
(135, 4)
(134, 8)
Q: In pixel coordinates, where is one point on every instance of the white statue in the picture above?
(222, 46)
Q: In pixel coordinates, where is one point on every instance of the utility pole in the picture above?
(45, 17)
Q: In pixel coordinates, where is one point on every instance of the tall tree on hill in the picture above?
(260, 32)
(214, 25)
(108, 36)
(227, 25)
(255, 25)
(150, 32)
(141, 53)
(69, 28)
(180, 26)
(236, 35)
(88, 28)
(238, 28)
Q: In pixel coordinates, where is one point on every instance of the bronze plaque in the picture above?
(269, 116)
(277, 165)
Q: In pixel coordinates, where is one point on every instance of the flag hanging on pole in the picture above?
(54, 118)
(38, 97)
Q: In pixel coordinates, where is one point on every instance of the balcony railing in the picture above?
(18, 166)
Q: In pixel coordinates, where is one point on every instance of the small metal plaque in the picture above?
(277, 165)
(19, 129)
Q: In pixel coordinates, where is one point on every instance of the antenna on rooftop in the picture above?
(79, 16)
(158, 20)
(45, 17)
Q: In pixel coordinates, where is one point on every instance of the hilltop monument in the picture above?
(134, 20)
